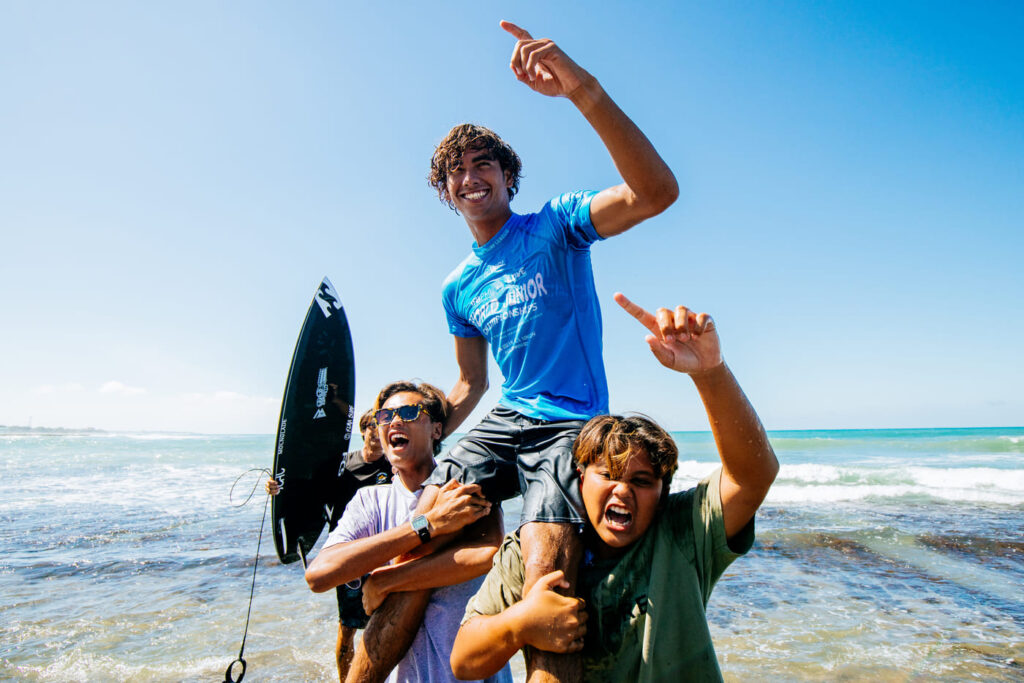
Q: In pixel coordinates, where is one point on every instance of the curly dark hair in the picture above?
(612, 439)
(468, 136)
(434, 402)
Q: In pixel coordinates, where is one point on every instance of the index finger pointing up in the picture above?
(645, 318)
(519, 33)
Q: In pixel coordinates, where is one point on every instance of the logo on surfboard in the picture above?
(321, 394)
(280, 438)
(327, 298)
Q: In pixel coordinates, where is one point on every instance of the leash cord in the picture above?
(252, 493)
(252, 589)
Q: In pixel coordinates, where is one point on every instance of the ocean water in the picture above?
(881, 555)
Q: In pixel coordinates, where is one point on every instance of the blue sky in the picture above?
(176, 179)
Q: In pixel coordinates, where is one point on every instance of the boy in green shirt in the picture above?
(652, 557)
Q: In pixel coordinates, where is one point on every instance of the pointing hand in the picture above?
(681, 340)
(542, 65)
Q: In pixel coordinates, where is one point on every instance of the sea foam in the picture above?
(818, 483)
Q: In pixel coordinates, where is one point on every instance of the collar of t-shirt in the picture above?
(499, 237)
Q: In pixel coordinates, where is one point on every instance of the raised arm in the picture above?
(471, 356)
(457, 506)
(688, 342)
(649, 186)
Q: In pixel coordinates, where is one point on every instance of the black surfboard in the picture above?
(315, 426)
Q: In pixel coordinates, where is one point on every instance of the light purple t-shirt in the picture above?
(375, 509)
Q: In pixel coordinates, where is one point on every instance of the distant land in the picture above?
(20, 429)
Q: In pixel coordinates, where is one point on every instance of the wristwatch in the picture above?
(422, 527)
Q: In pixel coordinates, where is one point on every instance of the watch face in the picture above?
(421, 527)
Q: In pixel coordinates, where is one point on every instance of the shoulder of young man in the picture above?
(503, 585)
(568, 219)
(699, 508)
(366, 473)
(456, 273)
(509, 561)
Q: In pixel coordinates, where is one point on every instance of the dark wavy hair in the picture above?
(468, 136)
(434, 401)
(613, 439)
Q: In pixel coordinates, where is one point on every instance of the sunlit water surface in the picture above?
(881, 555)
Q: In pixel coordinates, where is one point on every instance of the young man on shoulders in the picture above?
(653, 557)
(527, 292)
(379, 525)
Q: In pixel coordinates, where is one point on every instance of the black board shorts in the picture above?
(509, 454)
(350, 605)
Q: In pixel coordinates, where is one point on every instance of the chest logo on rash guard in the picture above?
(512, 298)
(382, 478)
(517, 294)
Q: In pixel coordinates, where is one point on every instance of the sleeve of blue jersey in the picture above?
(572, 210)
(457, 325)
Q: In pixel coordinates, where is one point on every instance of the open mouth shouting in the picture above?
(621, 506)
(618, 517)
(409, 436)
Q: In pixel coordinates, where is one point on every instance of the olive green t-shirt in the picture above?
(646, 609)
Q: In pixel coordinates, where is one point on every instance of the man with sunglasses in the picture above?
(379, 525)
(527, 292)
(364, 467)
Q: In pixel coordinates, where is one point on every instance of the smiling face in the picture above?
(372, 449)
(621, 509)
(479, 189)
(409, 445)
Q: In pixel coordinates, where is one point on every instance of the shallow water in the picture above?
(888, 555)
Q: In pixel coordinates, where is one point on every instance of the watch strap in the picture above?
(422, 527)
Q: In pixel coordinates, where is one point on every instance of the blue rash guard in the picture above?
(530, 292)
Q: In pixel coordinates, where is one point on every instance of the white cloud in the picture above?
(120, 389)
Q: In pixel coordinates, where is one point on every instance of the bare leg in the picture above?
(388, 636)
(343, 650)
(547, 547)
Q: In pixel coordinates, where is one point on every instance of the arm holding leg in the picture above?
(544, 619)
(466, 559)
(457, 506)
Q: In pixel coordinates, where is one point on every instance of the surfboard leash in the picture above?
(252, 589)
